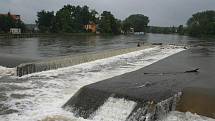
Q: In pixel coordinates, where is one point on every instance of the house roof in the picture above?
(14, 16)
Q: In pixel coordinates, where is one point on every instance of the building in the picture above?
(90, 27)
(13, 16)
(131, 30)
(16, 18)
(15, 30)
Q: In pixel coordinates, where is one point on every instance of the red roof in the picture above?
(15, 17)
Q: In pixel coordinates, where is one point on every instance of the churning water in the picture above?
(40, 96)
(7, 71)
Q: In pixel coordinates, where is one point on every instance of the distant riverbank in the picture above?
(29, 35)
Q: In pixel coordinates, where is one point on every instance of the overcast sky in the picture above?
(160, 12)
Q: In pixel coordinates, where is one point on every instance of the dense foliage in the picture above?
(68, 19)
(181, 30)
(45, 20)
(201, 24)
(138, 22)
(7, 22)
(109, 24)
(72, 19)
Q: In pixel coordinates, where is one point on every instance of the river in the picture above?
(40, 96)
(45, 47)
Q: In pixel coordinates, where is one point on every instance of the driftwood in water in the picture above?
(190, 71)
(157, 43)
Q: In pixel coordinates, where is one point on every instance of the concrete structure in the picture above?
(90, 27)
(59, 62)
(139, 33)
(15, 31)
(157, 85)
(131, 30)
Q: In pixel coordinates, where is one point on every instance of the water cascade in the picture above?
(59, 62)
(96, 105)
(40, 96)
(151, 112)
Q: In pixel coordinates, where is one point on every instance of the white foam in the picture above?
(179, 116)
(49, 90)
(114, 110)
(90, 65)
(4, 71)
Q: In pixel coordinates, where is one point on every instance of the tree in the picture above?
(173, 29)
(73, 18)
(117, 27)
(65, 19)
(93, 16)
(126, 27)
(180, 30)
(21, 25)
(6, 22)
(137, 21)
(108, 23)
(44, 21)
(202, 23)
(85, 15)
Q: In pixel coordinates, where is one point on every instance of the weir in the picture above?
(59, 62)
(156, 88)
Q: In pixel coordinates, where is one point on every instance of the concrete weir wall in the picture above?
(88, 100)
(164, 86)
(59, 62)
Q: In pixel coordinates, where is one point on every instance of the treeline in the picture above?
(7, 22)
(71, 19)
(200, 24)
(67, 19)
